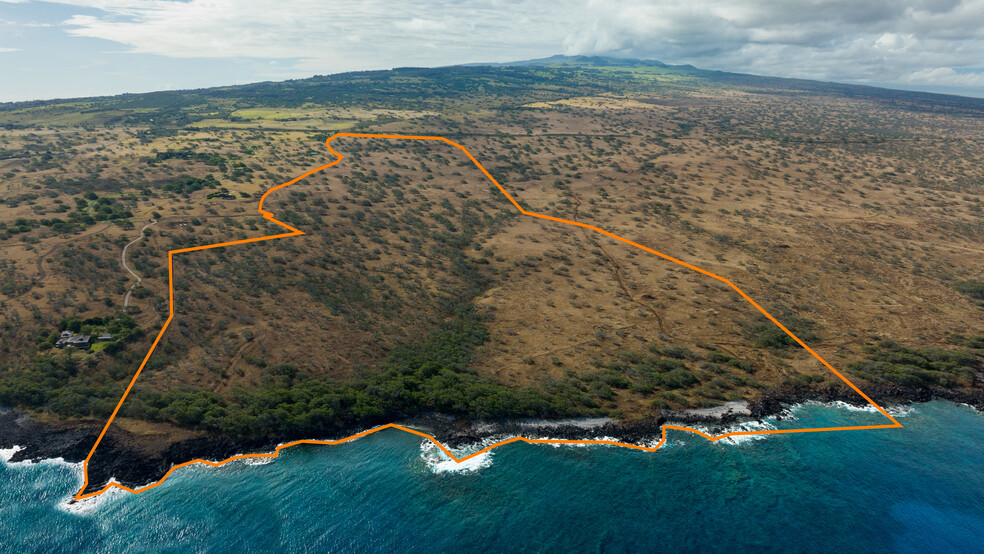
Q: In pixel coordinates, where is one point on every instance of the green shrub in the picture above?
(891, 362)
(974, 289)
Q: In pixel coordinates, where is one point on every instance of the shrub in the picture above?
(891, 362)
(974, 289)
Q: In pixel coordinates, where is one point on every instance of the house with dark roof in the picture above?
(80, 341)
(62, 341)
(68, 338)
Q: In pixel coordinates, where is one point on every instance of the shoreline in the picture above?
(120, 462)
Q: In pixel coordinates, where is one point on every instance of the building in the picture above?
(63, 339)
(68, 338)
(80, 341)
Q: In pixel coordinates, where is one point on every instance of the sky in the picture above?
(74, 48)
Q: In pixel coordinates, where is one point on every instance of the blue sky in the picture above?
(93, 47)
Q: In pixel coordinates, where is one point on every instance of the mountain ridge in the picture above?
(557, 62)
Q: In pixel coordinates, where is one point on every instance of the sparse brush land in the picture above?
(852, 214)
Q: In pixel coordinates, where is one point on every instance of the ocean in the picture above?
(916, 489)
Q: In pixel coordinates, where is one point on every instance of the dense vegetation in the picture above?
(973, 289)
(69, 383)
(103, 208)
(121, 326)
(89, 209)
(890, 362)
(186, 184)
(661, 371)
(765, 334)
(207, 158)
(57, 383)
(431, 376)
(12, 282)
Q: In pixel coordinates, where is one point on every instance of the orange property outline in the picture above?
(295, 232)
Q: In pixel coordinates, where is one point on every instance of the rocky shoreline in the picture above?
(117, 459)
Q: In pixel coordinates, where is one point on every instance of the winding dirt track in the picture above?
(126, 299)
(294, 232)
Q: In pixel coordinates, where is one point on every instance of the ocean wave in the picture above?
(743, 427)
(579, 444)
(900, 410)
(7, 453)
(787, 413)
(92, 504)
(65, 504)
(971, 406)
(840, 404)
(439, 462)
(254, 460)
(651, 443)
(257, 461)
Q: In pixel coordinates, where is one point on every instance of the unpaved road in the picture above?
(126, 299)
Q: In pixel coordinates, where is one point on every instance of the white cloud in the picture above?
(2, 49)
(346, 34)
(418, 24)
(876, 40)
(945, 77)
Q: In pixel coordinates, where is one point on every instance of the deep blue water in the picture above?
(915, 489)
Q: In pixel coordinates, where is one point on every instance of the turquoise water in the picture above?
(915, 489)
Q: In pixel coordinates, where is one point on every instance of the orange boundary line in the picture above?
(295, 232)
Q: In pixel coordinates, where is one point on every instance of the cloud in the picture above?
(826, 39)
(2, 49)
(322, 36)
(858, 40)
(418, 24)
(945, 77)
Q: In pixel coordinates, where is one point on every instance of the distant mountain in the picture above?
(506, 84)
(587, 61)
(901, 97)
